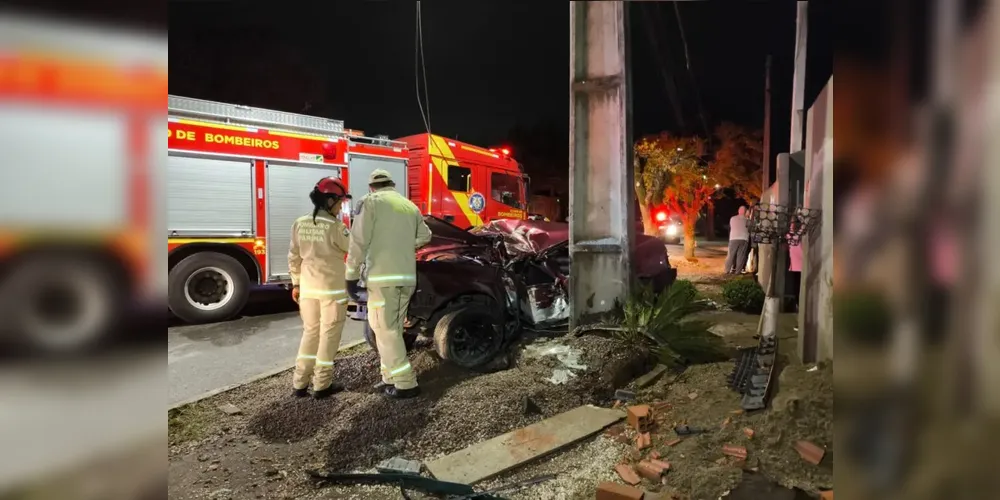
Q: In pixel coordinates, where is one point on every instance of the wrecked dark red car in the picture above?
(477, 288)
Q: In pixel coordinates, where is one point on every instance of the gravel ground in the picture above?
(263, 451)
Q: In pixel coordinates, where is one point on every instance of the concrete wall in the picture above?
(816, 295)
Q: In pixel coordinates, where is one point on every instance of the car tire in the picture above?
(97, 304)
(453, 340)
(229, 292)
(409, 339)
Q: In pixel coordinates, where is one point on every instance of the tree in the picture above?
(739, 160)
(669, 171)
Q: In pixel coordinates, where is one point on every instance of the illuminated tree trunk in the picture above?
(689, 221)
(648, 226)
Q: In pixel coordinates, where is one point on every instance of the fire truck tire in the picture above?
(207, 287)
(63, 305)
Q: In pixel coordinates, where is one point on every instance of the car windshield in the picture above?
(506, 189)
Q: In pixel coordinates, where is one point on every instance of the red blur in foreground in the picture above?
(82, 121)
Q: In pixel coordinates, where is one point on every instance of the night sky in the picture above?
(491, 66)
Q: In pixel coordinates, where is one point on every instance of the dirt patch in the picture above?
(802, 410)
(264, 451)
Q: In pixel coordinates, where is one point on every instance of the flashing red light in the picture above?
(661, 216)
(505, 151)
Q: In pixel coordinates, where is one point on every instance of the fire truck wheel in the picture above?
(63, 305)
(207, 287)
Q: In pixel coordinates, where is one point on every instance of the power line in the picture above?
(659, 61)
(420, 68)
(694, 81)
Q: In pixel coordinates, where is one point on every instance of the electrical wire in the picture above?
(660, 63)
(423, 65)
(418, 68)
(694, 81)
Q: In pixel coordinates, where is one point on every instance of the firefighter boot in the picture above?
(395, 393)
(329, 391)
(300, 393)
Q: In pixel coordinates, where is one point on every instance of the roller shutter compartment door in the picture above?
(360, 167)
(209, 197)
(288, 188)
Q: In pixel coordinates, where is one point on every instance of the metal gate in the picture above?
(288, 188)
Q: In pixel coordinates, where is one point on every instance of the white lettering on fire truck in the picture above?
(241, 141)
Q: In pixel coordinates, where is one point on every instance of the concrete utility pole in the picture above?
(766, 164)
(799, 78)
(601, 219)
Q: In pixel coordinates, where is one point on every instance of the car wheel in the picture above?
(409, 338)
(208, 287)
(468, 336)
(63, 305)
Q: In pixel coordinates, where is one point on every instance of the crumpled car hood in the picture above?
(526, 237)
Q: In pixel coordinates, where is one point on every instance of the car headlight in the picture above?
(671, 230)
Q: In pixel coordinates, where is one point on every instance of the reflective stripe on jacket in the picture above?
(385, 235)
(316, 256)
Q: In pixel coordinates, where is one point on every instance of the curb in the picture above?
(261, 376)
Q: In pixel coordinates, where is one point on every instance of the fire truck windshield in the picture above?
(506, 189)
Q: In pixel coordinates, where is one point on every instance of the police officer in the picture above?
(386, 232)
(316, 262)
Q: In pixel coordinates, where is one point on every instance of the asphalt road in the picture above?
(704, 249)
(201, 358)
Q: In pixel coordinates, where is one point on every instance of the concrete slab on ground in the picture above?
(486, 459)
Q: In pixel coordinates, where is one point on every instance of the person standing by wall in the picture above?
(739, 243)
(316, 263)
(387, 230)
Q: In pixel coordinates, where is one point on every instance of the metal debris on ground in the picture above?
(625, 395)
(683, 430)
(399, 465)
(404, 481)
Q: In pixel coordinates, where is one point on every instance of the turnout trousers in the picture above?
(386, 313)
(322, 326)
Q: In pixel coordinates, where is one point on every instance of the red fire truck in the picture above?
(239, 176)
(81, 115)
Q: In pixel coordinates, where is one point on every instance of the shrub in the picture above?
(687, 288)
(744, 295)
(660, 321)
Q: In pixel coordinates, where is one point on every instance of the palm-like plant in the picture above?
(661, 321)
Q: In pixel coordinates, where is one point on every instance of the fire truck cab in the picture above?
(464, 184)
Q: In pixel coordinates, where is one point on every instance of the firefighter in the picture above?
(316, 262)
(387, 230)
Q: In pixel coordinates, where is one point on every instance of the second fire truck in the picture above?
(239, 176)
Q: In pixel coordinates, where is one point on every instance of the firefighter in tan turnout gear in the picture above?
(316, 262)
(386, 232)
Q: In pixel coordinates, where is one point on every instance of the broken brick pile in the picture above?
(641, 464)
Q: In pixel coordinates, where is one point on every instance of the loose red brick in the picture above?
(735, 451)
(726, 422)
(737, 412)
(665, 466)
(615, 491)
(654, 454)
(627, 474)
(748, 431)
(639, 417)
(643, 441)
(649, 471)
(673, 442)
(810, 452)
(826, 495)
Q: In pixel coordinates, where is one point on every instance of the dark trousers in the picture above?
(736, 259)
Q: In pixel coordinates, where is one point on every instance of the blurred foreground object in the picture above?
(82, 144)
(917, 380)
